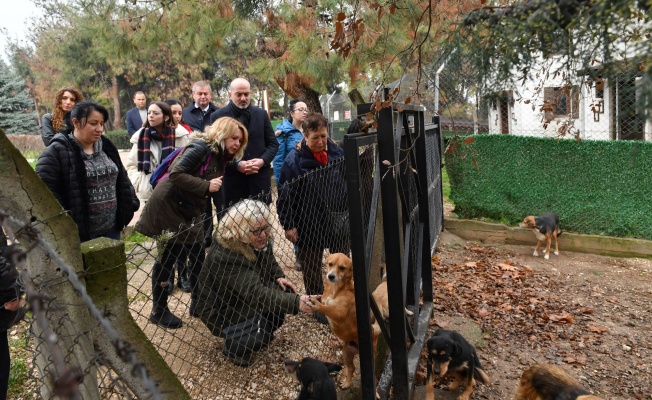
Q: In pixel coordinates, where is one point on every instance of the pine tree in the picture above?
(17, 114)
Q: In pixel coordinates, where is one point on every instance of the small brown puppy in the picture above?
(549, 382)
(545, 227)
(338, 304)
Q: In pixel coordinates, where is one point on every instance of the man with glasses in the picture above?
(198, 114)
(251, 176)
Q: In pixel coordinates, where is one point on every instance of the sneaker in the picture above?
(321, 318)
(241, 361)
(165, 319)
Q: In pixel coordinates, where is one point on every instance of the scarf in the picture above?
(167, 139)
(320, 156)
(243, 115)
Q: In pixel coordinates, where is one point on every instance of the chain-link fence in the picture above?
(239, 280)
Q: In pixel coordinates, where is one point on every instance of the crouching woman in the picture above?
(244, 294)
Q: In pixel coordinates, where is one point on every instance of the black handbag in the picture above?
(246, 336)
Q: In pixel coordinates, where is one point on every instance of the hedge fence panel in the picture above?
(596, 187)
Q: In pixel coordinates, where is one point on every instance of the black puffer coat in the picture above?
(9, 289)
(62, 169)
(304, 203)
(178, 202)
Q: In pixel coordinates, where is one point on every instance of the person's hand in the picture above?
(14, 304)
(292, 235)
(215, 184)
(306, 302)
(251, 167)
(283, 283)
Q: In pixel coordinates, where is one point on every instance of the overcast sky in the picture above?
(15, 18)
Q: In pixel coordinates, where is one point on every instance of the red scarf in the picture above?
(320, 156)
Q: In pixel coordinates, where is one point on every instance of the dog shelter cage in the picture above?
(394, 182)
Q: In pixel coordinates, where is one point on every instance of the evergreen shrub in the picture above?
(596, 187)
(120, 139)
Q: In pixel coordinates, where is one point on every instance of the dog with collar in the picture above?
(549, 382)
(545, 227)
(450, 354)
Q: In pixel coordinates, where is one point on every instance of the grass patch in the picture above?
(446, 185)
(136, 237)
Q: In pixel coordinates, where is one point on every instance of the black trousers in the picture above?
(173, 252)
(5, 364)
(253, 338)
(312, 266)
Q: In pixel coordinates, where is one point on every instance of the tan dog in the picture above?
(382, 299)
(545, 227)
(549, 382)
(338, 304)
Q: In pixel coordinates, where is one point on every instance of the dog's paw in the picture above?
(547, 256)
(536, 253)
(344, 383)
(556, 253)
(544, 251)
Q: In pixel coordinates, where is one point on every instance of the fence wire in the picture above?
(194, 353)
(550, 102)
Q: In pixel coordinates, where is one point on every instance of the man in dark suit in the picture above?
(198, 114)
(137, 115)
(251, 176)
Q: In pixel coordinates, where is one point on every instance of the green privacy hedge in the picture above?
(119, 138)
(596, 187)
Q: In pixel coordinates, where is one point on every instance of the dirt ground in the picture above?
(589, 314)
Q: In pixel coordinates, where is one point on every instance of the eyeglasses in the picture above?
(259, 231)
(301, 110)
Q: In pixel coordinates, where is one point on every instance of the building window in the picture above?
(562, 102)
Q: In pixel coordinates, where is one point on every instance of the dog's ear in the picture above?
(333, 367)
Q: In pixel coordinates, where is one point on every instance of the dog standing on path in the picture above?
(545, 227)
(549, 382)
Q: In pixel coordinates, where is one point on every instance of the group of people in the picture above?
(237, 289)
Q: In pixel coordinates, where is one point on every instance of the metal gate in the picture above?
(394, 187)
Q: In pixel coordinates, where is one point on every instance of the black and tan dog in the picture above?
(545, 227)
(314, 376)
(549, 382)
(450, 354)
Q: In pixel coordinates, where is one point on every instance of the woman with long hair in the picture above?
(64, 100)
(158, 137)
(177, 206)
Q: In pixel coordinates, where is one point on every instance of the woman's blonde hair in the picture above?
(222, 129)
(239, 218)
(57, 111)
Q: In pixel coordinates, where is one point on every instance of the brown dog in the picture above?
(338, 304)
(545, 227)
(549, 382)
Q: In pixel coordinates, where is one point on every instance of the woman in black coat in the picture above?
(82, 168)
(11, 310)
(312, 189)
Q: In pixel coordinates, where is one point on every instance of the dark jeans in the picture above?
(112, 234)
(177, 252)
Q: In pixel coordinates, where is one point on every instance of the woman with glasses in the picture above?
(289, 133)
(244, 294)
(315, 190)
(173, 214)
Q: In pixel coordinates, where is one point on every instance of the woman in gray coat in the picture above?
(175, 211)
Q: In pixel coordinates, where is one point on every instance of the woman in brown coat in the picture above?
(174, 213)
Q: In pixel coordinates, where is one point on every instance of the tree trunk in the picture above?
(117, 116)
(300, 89)
(71, 359)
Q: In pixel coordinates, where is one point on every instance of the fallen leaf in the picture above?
(561, 318)
(596, 329)
(506, 267)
